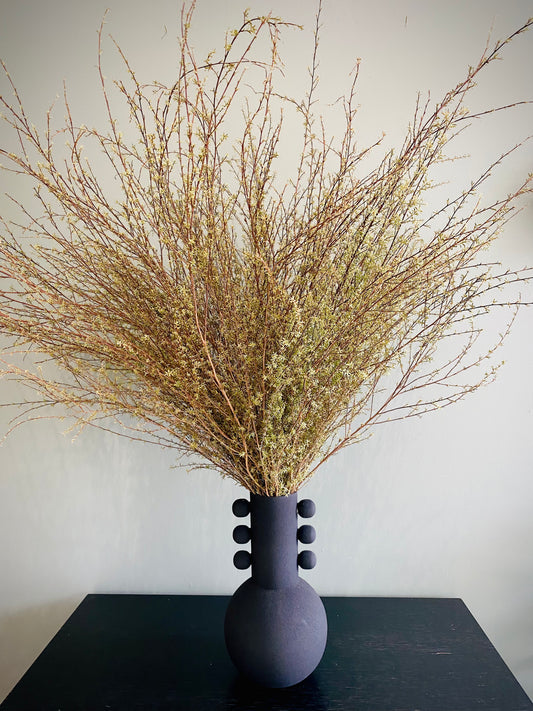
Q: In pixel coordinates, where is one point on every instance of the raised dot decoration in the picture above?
(306, 560)
(242, 560)
(306, 508)
(242, 534)
(241, 508)
(306, 534)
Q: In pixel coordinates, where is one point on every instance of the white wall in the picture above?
(434, 507)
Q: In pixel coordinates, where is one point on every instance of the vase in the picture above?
(275, 626)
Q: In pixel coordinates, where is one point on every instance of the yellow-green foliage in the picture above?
(260, 326)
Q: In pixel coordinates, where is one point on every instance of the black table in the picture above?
(155, 652)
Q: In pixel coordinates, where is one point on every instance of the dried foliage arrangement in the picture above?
(262, 326)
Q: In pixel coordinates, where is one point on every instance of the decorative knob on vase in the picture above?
(241, 534)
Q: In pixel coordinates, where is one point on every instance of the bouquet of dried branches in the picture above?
(262, 326)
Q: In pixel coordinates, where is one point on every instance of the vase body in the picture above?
(275, 626)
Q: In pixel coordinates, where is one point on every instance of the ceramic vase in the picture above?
(275, 626)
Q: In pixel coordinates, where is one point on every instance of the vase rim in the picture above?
(267, 496)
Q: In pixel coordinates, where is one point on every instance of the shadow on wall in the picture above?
(24, 634)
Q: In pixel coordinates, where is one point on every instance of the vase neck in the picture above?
(274, 526)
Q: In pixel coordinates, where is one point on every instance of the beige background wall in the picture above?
(434, 507)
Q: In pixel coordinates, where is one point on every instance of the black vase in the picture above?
(275, 626)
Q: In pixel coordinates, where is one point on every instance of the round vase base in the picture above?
(276, 637)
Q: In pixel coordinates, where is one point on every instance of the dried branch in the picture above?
(261, 326)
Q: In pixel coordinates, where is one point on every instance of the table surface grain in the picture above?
(162, 652)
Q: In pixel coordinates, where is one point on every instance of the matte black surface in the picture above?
(276, 637)
(274, 524)
(152, 652)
